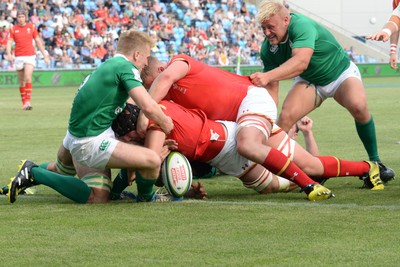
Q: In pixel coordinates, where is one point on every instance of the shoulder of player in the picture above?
(299, 21)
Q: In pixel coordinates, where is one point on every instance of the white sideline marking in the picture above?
(322, 203)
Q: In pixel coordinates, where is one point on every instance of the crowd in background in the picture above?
(83, 34)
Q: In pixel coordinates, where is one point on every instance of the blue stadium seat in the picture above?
(187, 20)
(180, 13)
(173, 6)
(226, 24)
(116, 6)
(163, 57)
(163, 7)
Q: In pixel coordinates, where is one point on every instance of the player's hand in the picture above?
(164, 152)
(305, 124)
(379, 36)
(393, 61)
(131, 176)
(172, 144)
(47, 60)
(259, 79)
(197, 191)
(10, 59)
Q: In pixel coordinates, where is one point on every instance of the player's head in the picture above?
(151, 71)
(21, 16)
(274, 18)
(136, 46)
(124, 125)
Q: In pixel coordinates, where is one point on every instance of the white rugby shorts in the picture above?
(94, 151)
(21, 61)
(329, 90)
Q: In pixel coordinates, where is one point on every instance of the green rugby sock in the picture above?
(367, 134)
(44, 165)
(119, 184)
(68, 186)
(145, 187)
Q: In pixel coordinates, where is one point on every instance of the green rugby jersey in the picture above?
(102, 95)
(328, 61)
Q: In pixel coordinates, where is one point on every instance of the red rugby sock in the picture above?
(279, 164)
(334, 167)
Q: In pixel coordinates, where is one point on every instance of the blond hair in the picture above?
(152, 65)
(133, 40)
(269, 8)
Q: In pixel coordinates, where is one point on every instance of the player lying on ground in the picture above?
(201, 139)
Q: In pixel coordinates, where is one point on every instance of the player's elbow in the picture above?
(302, 66)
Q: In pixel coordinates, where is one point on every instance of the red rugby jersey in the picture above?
(23, 37)
(217, 92)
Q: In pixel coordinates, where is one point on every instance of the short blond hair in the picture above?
(151, 71)
(152, 65)
(133, 40)
(268, 9)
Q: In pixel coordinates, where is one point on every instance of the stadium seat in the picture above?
(180, 13)
(173, 6)
(163, 7)
(187, 20)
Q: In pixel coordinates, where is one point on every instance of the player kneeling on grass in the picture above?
(90, 139)
(201, 139)
(59, 175)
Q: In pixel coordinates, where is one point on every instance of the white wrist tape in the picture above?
(389, 32)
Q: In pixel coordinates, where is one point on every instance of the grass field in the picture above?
(233, 227)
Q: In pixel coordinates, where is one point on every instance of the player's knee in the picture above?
(153, 160)
(246, 148)
(360, 112)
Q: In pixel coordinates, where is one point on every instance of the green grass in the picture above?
(234, 227)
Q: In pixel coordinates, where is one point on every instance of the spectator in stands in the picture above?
(76, 58)
(143, 17)
(98, 53)
(85, 53)
(4, 23)
(40, 10)
(85, 30)
(66, 60)
(81, 6)
(78, 36)
(125, 20)
(57, 55)
(243, 9)
(71, 20)
(79, 18)
(3, 46)
(113, 31)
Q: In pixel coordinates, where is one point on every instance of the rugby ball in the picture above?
(176, 174)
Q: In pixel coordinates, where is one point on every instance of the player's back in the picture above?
(217, 92)
(193, 132)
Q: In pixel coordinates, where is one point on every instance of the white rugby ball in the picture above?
(176, 174)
